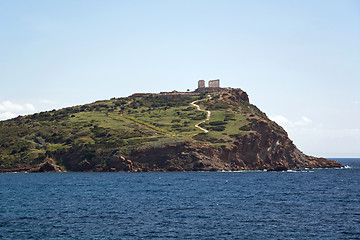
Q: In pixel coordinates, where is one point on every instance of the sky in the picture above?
(299, 61)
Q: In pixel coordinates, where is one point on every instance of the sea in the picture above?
(308, 204)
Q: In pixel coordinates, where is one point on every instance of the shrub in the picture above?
(204, 137)
(237, 135)
(197, 116)
(219, 105)
(245, 128)
(219, 128)
(216, 97)
(230, 117)
(99, 131)
(216, 123)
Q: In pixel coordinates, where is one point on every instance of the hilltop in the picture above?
(207, 130)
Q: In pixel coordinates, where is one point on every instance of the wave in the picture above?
(299, 171)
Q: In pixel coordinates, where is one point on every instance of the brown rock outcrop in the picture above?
(240, 95)
(119, 163)
(264, 149)
(48, 166)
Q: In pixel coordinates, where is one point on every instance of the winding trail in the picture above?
(207, 117)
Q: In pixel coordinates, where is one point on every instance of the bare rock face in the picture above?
(119, 163)
(240, 95)
(263, 150)
(47, 166)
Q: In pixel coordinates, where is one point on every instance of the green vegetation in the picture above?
(118, 126)
(245, 128)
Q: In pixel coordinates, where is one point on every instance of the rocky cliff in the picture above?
(263, 150)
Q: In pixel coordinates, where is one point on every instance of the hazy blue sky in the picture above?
(299, 61)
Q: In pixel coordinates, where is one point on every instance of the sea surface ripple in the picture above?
(317, 204)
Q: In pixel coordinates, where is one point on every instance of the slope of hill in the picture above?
(152, 132)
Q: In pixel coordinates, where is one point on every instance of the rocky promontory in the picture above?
(153, 132)
(263, 150)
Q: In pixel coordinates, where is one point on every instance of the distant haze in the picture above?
(297, 60)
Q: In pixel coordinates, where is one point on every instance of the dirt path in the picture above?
(148, 126)
(207, 117)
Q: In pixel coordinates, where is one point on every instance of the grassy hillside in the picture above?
(118, 126)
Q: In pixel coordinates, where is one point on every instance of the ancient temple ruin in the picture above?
(201, 84)
(214, 83)
(213, 86)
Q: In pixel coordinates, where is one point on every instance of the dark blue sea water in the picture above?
(319, 204)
